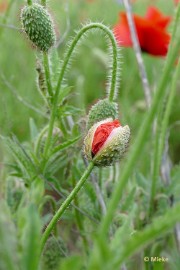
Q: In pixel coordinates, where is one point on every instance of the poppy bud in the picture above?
(54, 251)
(38, 26)
(103, 109)
(106, 142)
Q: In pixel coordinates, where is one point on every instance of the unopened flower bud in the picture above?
(106, 142)
(38, 26)
(103, 109)
(54, 250)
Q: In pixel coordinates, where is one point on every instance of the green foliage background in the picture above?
(27, 208)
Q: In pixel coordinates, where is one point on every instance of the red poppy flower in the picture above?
(102, 133)
(3, 6)
(151, 32)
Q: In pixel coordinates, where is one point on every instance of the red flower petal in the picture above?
(121, 31)
(3, 6)
(151, 33)
(176, 1)
(156, 41)
(156, 17)
(102, 133)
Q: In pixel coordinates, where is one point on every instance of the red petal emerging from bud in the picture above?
(102, 133)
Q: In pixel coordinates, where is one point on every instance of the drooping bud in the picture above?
(106, 142)
(103, 109)
(38, 26)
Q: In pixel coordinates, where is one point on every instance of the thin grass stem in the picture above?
(140, 141)
(162, 135)
(163, 121)
(137, 50)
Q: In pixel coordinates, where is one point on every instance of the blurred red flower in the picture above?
(151, 31)
(3, 6)
(176, 1)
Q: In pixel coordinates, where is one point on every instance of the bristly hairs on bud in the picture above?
(38, 26)
(115, 73)
(103, 109)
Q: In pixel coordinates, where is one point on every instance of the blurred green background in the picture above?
(88, 72)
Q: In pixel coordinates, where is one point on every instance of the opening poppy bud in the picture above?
(103, 109)
(38, 26)
(106, 142)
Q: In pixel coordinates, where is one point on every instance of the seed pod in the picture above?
(106, 142)
(103, 109)
(38, 26)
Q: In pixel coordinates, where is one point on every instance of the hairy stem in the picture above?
(65, 204)
(98, 190)
(79, 221)
(29, 2)
(114, 76)
(47, 74)
(137, 50)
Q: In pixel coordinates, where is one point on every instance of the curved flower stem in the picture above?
(114, 75)
(65, 204)
(107, 31)
(47, 74)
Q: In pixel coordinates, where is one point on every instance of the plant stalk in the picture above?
(65, 204)
(47, 74)
(162, 135)
(139, 142)
(29, 2)
(114, 76)
(137, 50)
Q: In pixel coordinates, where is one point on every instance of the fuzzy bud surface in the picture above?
(106, 142)
(103, 109)
(38, 26)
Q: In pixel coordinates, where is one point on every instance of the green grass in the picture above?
(118, 217)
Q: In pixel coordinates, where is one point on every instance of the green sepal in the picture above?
(103, 109)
